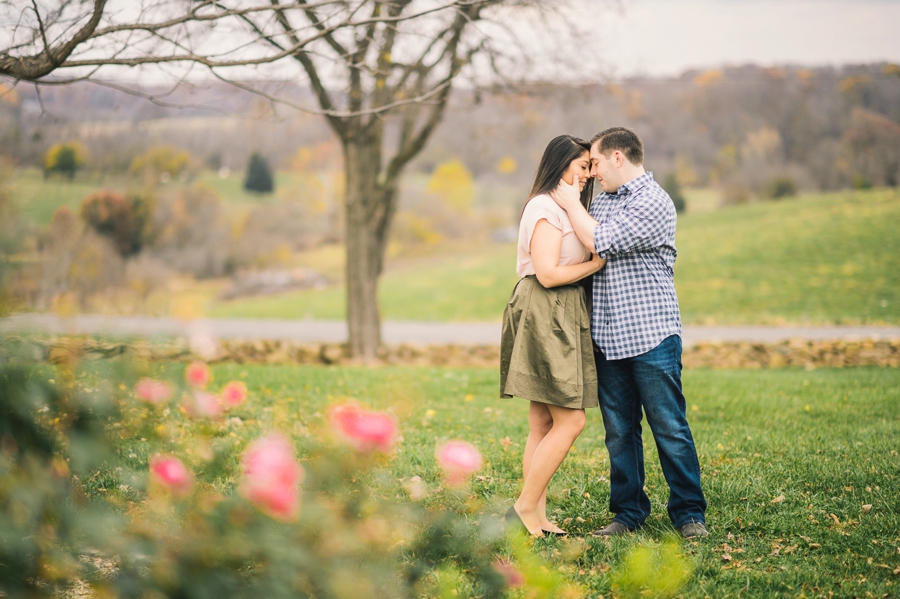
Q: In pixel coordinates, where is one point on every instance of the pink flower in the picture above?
(272, 477)
(512, 575)
(202, 405)
(233, 394)
(197, 375)
(169, 472)
(362, 429)
(153, 391)
(458, 459)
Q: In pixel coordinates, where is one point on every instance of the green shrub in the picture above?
(673, 188)
(126, 220)
(259, 175)
(161, 162)
(65, 158)
(780, 187)
(861, 182)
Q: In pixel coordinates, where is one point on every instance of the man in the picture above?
(636, 326)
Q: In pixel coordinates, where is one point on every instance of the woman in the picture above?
(546, 353)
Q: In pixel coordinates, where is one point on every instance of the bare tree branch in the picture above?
(37, 66)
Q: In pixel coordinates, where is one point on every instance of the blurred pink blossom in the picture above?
(171, 473)
(233, 394)
(459, 460)
(153, 391)
(201, 404)
(197, 375)
(512, 575)
(362, 429)
(272, 477)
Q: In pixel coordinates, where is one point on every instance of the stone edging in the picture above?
(794, 353)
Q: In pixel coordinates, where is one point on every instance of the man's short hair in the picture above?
(622, 139)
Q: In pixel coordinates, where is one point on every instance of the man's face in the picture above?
(605, 169)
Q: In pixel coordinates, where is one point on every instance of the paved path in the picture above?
(393, 332)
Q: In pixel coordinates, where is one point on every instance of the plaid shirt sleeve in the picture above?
(643, 224)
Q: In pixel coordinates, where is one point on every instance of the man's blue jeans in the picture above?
(651, 383)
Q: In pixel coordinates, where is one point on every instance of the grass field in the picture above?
(819, 259)
(800, 467)
(37, 198)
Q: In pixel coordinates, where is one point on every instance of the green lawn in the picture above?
(831, 258)
(471, 287)
(789, 457)
(37, 198)
(820, 259)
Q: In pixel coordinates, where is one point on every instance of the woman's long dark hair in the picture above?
(558, 155)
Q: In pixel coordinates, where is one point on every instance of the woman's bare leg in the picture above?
(543, 460)
(539, 424)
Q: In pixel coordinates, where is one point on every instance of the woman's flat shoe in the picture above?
(512, 518)
(553, 533)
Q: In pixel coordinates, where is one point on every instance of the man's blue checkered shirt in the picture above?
(635, 306)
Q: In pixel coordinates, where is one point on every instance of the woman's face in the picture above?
(580, 166)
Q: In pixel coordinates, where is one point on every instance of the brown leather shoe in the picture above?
(613, 529)
(694, 530)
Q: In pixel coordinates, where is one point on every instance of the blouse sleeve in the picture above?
(535, 210)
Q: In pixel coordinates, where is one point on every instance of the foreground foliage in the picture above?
(800, 468)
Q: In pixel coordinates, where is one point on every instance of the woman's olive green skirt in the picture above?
(546, 353)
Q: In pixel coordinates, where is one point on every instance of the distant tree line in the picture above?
(751, 131)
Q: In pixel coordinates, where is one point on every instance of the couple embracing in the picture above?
(614, 341)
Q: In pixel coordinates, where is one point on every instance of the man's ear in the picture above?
(620, 159)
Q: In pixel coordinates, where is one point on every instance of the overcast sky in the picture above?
(666, 37)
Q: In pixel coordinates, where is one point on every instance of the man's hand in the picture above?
(567, 196)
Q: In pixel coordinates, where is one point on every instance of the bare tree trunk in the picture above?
(370, 204)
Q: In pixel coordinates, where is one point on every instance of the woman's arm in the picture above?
(546, 242)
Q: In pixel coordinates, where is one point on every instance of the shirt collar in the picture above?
(635, 185)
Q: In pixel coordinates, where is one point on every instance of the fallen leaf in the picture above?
(867, 508)
(506, 442)
(726, 557)
(835, 518)
(778, 499)
(815, 546)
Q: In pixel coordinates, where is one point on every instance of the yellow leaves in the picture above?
(507, 165)
(867, 507)
(778, 500)
(66, 156)
(453, 183)
(708, 77)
